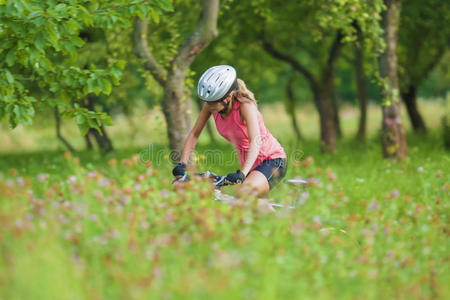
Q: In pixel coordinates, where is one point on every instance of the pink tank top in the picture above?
(235, 131)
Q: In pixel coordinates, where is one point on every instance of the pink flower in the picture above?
(94, 218)
(164, 194)
(394, 193)
(103, 182)
(373, 205)
(72, 179)
(42, 177)
(92, 174)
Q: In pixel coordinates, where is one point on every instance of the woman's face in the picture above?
(215, 107)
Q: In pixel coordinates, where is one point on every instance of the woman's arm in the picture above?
(250, 115)
(192, 138)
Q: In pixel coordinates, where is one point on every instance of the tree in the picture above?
(393, 133)
(424, 36)
(325, 27)
(290, 105)
(176, 100)
(360, 83)
(40, 41)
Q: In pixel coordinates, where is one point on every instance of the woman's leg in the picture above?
(255, 184)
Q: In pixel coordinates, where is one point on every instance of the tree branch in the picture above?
(141, 51)
(118, 7)
(329, 68)
(205, 31)
(431, 65)
(270, 48)
(58, 131)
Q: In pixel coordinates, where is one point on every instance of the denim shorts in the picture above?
(274, 170)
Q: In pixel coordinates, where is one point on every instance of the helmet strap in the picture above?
(224, 110)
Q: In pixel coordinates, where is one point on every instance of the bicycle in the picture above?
(220, 181)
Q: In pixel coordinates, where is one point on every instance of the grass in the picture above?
(113, 227)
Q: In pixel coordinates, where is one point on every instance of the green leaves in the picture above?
(87, 119)
(40, 43)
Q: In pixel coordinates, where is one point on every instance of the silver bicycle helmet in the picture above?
(216, 83)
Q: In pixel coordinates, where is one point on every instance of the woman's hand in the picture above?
(235, 178)
(179, 170)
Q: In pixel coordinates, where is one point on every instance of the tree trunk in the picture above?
(58, 131)
(410, 99)
(291, 106)
(209, 129)
(393, 133)
(360, 85)
(327, 122)
(337, 120)
(104, 143)
(88, 141)
(174, 109)
(177, 107)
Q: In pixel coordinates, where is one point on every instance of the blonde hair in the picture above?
(242, 94)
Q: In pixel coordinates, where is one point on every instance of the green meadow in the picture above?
(92, 226)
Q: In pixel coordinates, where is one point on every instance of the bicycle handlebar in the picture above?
(218, 180)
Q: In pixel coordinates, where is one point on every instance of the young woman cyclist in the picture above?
(233, 106)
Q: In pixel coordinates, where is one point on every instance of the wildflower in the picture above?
(316, 219)
(112, 162)
(42, 177)
(94, 218)
(420, 169)
(144, 225)
(71, 179)
(164, 194)
(373, 205)
(390, 254)
(309, 160)
(92, 174)
(67, 155)
(124, 199)
(375, 228)
(303, 198)
(103, 182)
(394, 193)
(113, 233)
(127, 162)
(20, 180)
(331, 176)
(62, 218)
